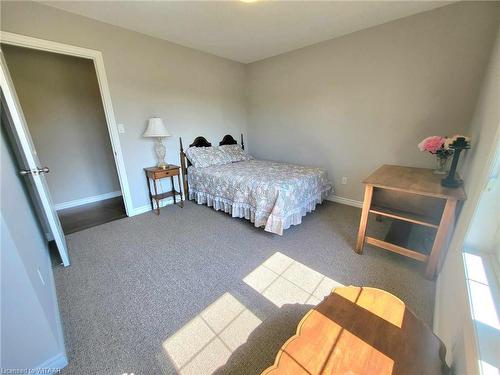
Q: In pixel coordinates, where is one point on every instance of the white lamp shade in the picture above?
(156, 128)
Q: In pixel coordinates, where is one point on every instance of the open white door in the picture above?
(32, 171)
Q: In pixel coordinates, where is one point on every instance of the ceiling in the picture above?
(245, 31)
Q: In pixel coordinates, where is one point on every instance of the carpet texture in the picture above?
(166, 294)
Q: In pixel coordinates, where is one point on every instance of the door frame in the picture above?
(96, 56)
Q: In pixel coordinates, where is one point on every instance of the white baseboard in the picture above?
(80, 202)
(147, 207)
(342, 200)
(170, 200)
(53, 365)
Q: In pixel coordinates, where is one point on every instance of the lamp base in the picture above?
(160, 153)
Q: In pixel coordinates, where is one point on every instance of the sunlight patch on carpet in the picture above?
(283, 280)
(206, 342)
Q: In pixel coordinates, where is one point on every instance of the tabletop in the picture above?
(413, 180)
(361, 330)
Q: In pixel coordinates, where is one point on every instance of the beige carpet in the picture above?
(195, 291)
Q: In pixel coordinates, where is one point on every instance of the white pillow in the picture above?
(202, 157)
(235, 153)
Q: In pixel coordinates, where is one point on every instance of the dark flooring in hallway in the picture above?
(90, 215)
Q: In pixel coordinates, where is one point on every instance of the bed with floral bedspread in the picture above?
(270, 194)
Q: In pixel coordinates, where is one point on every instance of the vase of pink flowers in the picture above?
(438, 146)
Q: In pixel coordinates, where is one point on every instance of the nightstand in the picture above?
(153, 174)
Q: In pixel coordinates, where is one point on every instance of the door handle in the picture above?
(24, 172)
(43, 170)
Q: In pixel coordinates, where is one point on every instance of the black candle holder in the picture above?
(450, 181)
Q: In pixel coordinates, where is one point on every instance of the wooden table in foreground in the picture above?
(414, 196)
(361, 331)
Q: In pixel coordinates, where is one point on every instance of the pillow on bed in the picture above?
(202, 157)
(235, 153)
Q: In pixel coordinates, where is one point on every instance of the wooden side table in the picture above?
(154, 174)
(413, 196)
(362, 331)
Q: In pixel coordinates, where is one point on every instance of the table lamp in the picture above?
(157, 129)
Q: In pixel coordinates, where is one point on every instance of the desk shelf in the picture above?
(397, 249)
(405, 216)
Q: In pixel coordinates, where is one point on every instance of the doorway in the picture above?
(63, 107)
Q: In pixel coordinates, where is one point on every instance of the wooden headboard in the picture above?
(201, 142)
(229, 140)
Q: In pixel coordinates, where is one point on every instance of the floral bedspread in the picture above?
(270, 194)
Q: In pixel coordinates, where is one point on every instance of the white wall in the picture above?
(194, 92)
(484, 229)
(452, 316)
(362, 100)
(60, 99)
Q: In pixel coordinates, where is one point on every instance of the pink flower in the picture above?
(431, 144)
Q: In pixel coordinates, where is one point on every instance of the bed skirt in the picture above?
(271, 222)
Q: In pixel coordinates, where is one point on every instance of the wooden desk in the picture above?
(411, 195)
(154, 174)
(362, 331)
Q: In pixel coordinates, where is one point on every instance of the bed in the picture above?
(270, 194)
